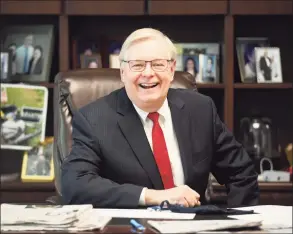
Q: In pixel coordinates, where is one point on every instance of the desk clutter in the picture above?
(75, 218)
(50, 218)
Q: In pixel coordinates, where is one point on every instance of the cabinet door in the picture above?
(104, 7)
(32, 7)
(187, 7)
(261, 7)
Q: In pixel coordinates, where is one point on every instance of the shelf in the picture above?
(263, 186)
(261, 7)
(28, 186)
(194, 7)
(31, 7)
(263, 86)
(104, 7)
(210, 86)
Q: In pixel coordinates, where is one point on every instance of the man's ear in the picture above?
(122, 72)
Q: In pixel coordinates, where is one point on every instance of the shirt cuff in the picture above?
(141, 201)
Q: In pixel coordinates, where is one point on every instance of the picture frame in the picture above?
(6, 66)
(23, 115)
(37, 164)
(91, 61)
(268, 65)
(246, 56)
(208, 68)
(31, 48)
(191, 65)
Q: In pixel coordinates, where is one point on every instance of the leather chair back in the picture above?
(75, 89)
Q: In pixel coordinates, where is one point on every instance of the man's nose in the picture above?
(148, 71)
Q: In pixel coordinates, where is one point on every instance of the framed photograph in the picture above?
(23, 115)
(31, 48)
(268, 65)
(6, 66)
(91, 61)
(191, 65)
(246, 57)
(37, 164)
(208, 68)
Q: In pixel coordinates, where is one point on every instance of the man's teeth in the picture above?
(148, 85)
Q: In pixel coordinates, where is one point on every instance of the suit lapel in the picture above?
(133, 130)
(181, 124)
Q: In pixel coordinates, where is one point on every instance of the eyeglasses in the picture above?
(158, 65)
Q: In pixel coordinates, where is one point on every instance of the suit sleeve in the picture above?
(233, 166)
(80, 179)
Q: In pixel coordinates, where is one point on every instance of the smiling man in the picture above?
(146, 143)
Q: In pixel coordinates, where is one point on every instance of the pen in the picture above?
(137, 225)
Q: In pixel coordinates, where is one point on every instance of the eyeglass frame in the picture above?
(149, 61)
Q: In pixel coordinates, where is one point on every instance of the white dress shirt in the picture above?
(165, 121)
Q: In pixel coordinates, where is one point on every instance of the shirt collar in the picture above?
(163, 111)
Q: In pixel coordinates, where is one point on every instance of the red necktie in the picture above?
(161, 152)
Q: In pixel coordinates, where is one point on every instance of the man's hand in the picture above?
(182, 195)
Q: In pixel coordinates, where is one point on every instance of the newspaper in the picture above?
(47, 217)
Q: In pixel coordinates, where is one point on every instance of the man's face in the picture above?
(28, 41)
(147, 88)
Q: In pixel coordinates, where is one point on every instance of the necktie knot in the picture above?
(154, 116)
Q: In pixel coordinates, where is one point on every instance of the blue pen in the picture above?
(137, 225)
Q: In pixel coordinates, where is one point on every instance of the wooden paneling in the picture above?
(184, 7)
(104, 7)
(261, 7)
(31, 7)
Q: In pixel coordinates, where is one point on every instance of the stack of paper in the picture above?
(37, 218)
(196, 226)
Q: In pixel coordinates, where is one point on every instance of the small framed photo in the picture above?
(31, 48)
(208, 68)
(191, 65)
(91, 61)
(268, 65)
(246, 56)
(23, 115)
(6, 66)
(37, 164)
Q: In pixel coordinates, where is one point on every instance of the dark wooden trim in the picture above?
(104, 7)
(263, 86)
(63, 43)
(229, 72)
(36, 7)
(28, 187)
(264, 186)
(261, 7)
(184, 7)
(210, 86)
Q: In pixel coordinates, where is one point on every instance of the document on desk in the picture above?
(195, 226)
(142, 213)
(273, 217)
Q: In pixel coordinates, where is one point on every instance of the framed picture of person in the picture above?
(37, 163)
(246, 57)
(31, 48)
(208, 68)
(91, 61)
(23, 115)
(268, 65)
(191, 65)
(6, 66)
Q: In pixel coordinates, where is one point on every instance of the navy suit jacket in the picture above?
(111, 159)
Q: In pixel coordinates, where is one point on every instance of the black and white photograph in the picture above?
(31, 48)
(246, 57)
(38, 162)
(91, 61)
(269, 68)
(6, 66)
(23, 115)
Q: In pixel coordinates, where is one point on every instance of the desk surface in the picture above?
(121, 225)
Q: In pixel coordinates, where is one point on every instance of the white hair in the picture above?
(146, 34)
